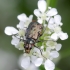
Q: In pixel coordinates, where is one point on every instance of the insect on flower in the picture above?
(33, 32)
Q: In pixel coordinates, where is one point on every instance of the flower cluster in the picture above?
(48, 48)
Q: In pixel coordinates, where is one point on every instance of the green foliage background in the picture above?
(9, 9)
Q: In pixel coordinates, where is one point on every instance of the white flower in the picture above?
(24, 21)
(40, 12)
(57, 20)
(17, 35)
(43, 14)
(21, 32)
(25, 62)
(60, 35)
(45, 56)
(12, 31)
(51, 44)
(48, 64)
(17, 43)
(53, 25)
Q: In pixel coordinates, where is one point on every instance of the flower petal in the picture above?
(51, 20)
(37, 12)
(42, 5)
(58, 47)
(52, 12)
(22, 17)
(51, 23)
(54, 54)
(63, 36)
(32, 67)
(54, 36)
(30, 17)
(33, 58)
(49, 65)
(15, 41)
(47, 19)
(10, 30)
(40, 21)
(20, 45)
(36, 50)
(21, 25)
(25, 62)
(38, 62)
(57, 19)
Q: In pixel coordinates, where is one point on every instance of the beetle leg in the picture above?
(15, 35)
(40, 51)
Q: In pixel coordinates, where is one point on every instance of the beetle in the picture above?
(33, 32)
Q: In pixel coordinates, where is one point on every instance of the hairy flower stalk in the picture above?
(48, 48)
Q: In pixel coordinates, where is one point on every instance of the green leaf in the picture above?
(39, 44)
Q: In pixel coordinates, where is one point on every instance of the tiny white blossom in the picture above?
(40, 12)
(17, 43)
(21, 32)
(60, 35)
(17, 35)
(45, 55)
(24, 21)
(53, 25)
(26, 59)
(57, 20)
(25, 63)
(51, 44)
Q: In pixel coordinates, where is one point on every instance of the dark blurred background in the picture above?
(9, 9)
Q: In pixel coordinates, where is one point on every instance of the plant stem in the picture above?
(48, 2)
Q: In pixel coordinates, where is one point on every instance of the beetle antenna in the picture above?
(40, 51)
